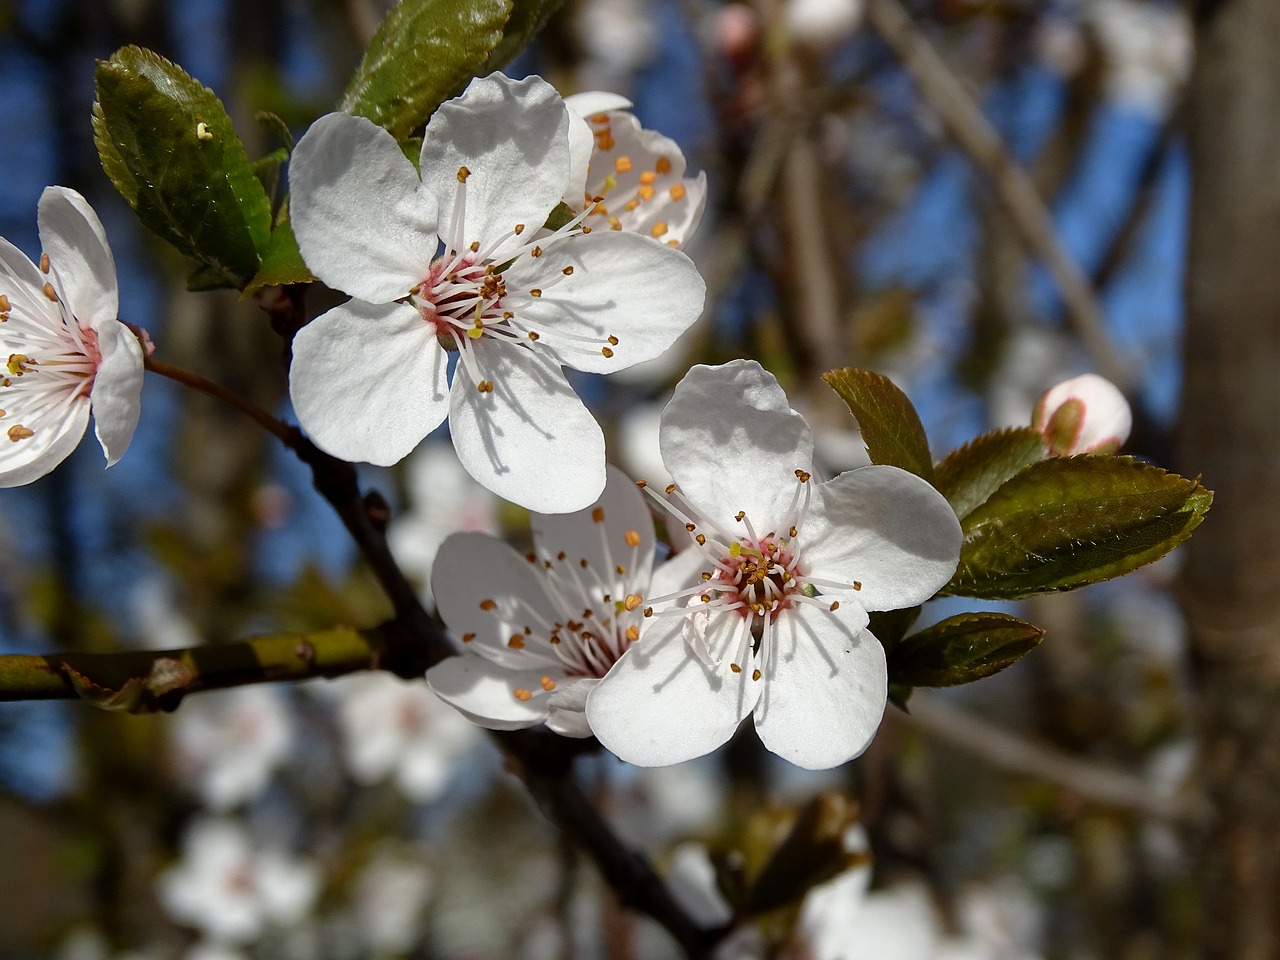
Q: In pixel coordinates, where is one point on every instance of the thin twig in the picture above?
(287, 434)
(1003, 750)
(974, 133)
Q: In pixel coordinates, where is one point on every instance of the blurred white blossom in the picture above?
(1148, 50)
(399, 729)
(227, 744)
(390, 895)
(231, 888)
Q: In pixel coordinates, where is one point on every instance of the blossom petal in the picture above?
(364, 223)
(733, 443)
(622, 511)
(530, 440)
(567, 707)
(116, 397)
(591, 102)
(885, 528)
(487, 593)
(484, 692)
(619, 285)
(79, 256)
(22, 282)
(659, 704)
(368, 381)
(54, 437)
(581, 140)
(513, 138)
(825, 687)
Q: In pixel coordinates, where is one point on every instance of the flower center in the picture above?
(750, 581)
(464, 296)
(596, 612)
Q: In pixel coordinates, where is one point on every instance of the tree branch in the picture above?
(1006, 751)
(975, 135)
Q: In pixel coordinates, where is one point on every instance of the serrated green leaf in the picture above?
(423, 53)
(890, 626)
(970, 474)
(204, 278)
(890, 426)
(527, 18)
(282, 263)
(1067, 522)
(167, 144)
(267, 170)
(962, 649)
(276, 124)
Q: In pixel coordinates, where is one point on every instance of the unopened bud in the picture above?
(1086, 414)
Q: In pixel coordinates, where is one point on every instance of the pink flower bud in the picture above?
(1086, 414)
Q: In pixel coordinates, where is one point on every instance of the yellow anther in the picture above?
(645, 192)
(648, 177)
(50, 293)
(690, 527)
(600, 118)
(19, 432)
(516, 642)
(755, 674)
(648, 611)
(485, 386)
(857, 584)
(607, 352)
(20, 363)
(488, 605)
(802, 476)
(673, 243)
(604, 140)
(659, 229)
(633, 538)
(741, 514)
(475, 246)
(615, 223)
(463, 173)
(671, 488)
(535, 252)
(632, 204)
(534, 335)
(613, 341)
(702, 541)
(547, 684)
(567, 271)
(523, 695)
(4, 304)
(622, 164)
(663, 165)
(598, 514)
(44, 263)
(468, 637)
(535, 292)
(735, 668)
(633, 600)
(633, 633)
(677, 191)
(519, 229)
(793, 532)
(835, 605)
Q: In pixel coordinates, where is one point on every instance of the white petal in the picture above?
(79, 256)
(364, 223)
(116, 397)
(643, 293)
(885, 528)
(622, 509)
(530, 440)
(485, 590)
(825, 687)
(733, 444)
(22, 461)
(567, 708)
(513, 137)
(485, 692)
(591, 102)
(659, 705)
(22, 282)
(368, 381)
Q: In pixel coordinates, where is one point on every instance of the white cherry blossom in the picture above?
(780, 577)
(539, 631)
(66, 350)
(400, 729)
(1086, 414)
(627, 178)
(230, 889)
(229, 743)
(454, 262)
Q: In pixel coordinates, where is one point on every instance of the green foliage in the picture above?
(1064, 523)
(970, 474)
(962, 649)
(282, 263)
(890, 426)
(168, 146)
(890, 626)
(423, 53)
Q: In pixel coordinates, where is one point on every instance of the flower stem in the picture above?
(287, 435)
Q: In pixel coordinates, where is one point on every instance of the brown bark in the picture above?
(1230, 431)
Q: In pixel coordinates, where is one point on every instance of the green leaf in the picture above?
(890, 426)
(423, 53)
(267, 170)
(167, 144)
(527, 18)
(204, 278)
(962, 649)
(282, 263)
(1063, 523)
(890, 626)
(970, 474)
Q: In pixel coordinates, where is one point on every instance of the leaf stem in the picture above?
(288, 435)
